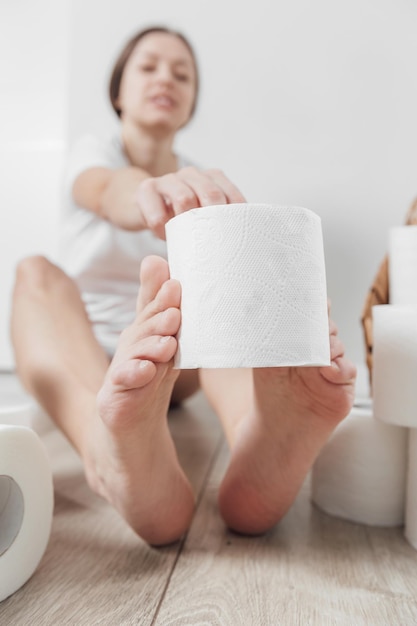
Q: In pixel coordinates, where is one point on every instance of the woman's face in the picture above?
(158, 85)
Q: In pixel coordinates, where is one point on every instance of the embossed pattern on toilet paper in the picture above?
(253, 286)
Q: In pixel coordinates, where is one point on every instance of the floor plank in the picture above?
(312, 569)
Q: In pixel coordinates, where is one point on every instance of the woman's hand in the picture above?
(161, 198)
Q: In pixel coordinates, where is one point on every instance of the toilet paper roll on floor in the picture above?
(402, 250)
(395, 364)
(360, 474)
(17, 412)
(253, 286)
(26, 506)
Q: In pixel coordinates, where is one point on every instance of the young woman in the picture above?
(98, 357)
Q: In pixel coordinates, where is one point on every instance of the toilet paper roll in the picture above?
(360, 473)
(395, 364)
(253, 286)
(402, 249)
(17, 412)
(410, 530)
(26, 505)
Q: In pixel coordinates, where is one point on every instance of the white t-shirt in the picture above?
(103, 260)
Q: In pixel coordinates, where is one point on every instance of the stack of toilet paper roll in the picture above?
(360, 473)
(367, 472)
(395, 370)
(26, 496)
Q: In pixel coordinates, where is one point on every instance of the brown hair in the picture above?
(120, 64)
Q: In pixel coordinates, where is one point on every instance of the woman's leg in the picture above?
(276, 421)
(187, 383)
(118, 426)
(57, 356)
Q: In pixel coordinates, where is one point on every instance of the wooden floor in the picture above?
(312, 569)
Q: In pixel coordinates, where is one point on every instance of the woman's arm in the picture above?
(133, 200)
(112, 195)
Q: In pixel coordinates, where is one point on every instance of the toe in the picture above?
(164, 323)
(337, 347)
(341, 372)
(133, 374)
(154, 272)
(159, 349)
(168, 296)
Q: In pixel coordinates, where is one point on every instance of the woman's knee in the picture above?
(36, 273)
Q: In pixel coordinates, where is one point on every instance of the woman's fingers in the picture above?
(232, 193)
(151, 203)
(206, 189)
(162, 197)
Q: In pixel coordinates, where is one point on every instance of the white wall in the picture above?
(33, 128)
(309, 103)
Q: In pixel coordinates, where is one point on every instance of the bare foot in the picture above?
(131, 459)
(293, 414)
